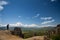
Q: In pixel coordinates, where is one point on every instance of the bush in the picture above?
(57, 37)
(28, 35)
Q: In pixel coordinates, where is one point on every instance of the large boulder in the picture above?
(17, 31)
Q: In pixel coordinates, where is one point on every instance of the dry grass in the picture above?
(6, 35)
(36, 38)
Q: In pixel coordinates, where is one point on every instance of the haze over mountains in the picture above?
(28, 28)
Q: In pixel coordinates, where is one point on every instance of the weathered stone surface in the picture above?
(17, 31)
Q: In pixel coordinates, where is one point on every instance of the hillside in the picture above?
(6, 35)
(36, 38)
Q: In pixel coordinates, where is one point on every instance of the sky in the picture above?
(30, 13)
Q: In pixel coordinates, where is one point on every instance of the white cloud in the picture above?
(19, 16)
(1, 4)
(53, 0)
(1, 8)
(37, 15)
(22, 25)
(16, 24)
(12, 25)
(19, 24)
(2, 25)
(47, 25)
(46, 22)
(46, 18)
(31, 25)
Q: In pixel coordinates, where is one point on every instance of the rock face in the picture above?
(17, 31)
(58, 29)
(58, 25)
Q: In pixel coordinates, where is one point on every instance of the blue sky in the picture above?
(37, 12)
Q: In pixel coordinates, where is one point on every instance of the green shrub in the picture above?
(28, 35)
(57, 37)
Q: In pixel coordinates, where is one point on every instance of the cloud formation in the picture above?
(19, 24)
(2, 3)
(31, 25)
(37, 15)
(46, 18)
(53, 0)
(47, 25)
(1, 8)
(46, 22)
(19, 16)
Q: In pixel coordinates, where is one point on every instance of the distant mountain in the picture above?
(26, 28)
(2, 28)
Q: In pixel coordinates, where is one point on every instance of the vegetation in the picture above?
(57, 37)
(31, 33)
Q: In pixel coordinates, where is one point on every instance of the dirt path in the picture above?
(6, 35)
(36, 38)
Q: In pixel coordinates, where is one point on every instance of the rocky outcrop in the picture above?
(17, 31)
(58, 29)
